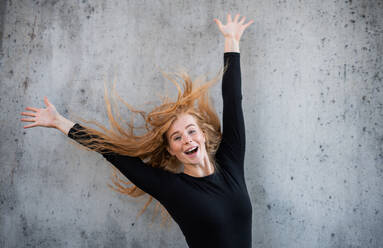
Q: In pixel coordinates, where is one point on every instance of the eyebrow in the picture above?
(177, 131)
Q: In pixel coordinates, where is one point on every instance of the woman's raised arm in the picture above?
(151, 180)
(233, 142)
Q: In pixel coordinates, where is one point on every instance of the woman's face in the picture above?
(186, 140)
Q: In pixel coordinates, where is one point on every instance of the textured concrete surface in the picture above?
(313, 101)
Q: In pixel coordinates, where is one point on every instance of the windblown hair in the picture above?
(151, 146)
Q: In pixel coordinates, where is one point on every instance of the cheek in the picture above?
(175, 148)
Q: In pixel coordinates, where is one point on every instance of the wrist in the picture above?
(57, 121)
(231, 44)
(63, 124)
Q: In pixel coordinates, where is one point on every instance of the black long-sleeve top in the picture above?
(214, 210)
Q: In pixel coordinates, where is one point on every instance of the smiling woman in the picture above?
(188, 143)
(209, 199)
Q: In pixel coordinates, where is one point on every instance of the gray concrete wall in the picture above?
(313, 104)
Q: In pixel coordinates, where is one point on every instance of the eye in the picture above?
(191, 131)
(177, 138)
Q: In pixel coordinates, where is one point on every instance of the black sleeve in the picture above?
(153, 181)
(233, 136)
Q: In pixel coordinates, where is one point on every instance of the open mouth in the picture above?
(192, 151)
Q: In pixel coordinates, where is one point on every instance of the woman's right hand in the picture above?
(46, 117)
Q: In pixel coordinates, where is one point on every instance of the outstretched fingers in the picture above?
(236, 18)
(242, 20)
(233, 28)
(229, 18)
(29, 119)
(28, 114)
(32, 109)
(219, 23)
(31, 125)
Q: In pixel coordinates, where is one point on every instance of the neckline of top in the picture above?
(207, 176)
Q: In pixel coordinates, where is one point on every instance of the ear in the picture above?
(204, 136)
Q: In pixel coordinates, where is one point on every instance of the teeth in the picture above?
(191, 149)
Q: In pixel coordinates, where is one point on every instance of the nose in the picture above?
(188, 139)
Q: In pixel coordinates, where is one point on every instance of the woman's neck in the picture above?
(199, 170)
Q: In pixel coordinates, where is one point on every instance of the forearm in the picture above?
(63, 124)
(231, 45)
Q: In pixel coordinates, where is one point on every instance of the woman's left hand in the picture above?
(233, 29)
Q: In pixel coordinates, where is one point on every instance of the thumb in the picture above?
(46, 101)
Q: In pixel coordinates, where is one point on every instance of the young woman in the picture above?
(208, 198)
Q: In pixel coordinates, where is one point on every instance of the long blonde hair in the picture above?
(151, 147)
